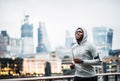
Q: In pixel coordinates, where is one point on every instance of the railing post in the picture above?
(105, 78)
(68, 79)
(116, 78)
(48, 80)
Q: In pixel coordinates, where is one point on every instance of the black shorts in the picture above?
(95, 78)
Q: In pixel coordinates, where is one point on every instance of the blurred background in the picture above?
(39, 34)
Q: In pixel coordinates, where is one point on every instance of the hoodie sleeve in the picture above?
(73, 47)
(95, 56)
(92, 62)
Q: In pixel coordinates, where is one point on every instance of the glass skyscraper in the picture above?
(43, 43)
(4, 42)
(102, 37)
(27, 36)
(69, 41)
(26, 29)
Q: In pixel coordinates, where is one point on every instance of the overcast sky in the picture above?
(59, 16)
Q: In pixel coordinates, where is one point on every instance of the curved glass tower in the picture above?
(102, 37)
(43, 43)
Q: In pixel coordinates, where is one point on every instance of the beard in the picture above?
(79, 40)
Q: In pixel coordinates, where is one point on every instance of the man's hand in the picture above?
(78, 60)
(72, 66)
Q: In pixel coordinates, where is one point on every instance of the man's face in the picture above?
(79, 34)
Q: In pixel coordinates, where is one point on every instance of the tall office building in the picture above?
(9, 47)
(6, 37)
(43, 43)
(14, 47)
(69, 40)
(102, 38)
(4, 41)
(27, 28)
(27, 36)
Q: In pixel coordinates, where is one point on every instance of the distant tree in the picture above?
(66, 56)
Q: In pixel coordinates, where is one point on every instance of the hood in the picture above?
(84, 39)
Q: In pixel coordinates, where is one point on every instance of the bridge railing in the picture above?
(66, 77)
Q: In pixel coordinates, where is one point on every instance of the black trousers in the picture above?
(95, 78)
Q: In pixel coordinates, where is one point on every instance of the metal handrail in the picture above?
(68, 77)
(103, 74)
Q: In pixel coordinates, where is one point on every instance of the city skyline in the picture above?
(60, 16)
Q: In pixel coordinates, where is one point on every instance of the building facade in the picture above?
(102, 38)
(14, 47)
(27, 37)
(43, 43)
(69, 40)
(4, 42)
(39, 64)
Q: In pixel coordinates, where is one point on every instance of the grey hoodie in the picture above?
(87, 52)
